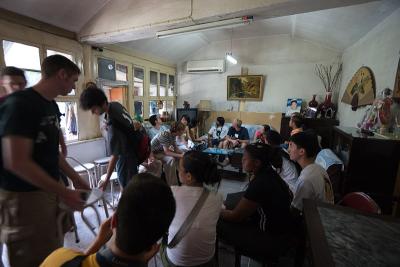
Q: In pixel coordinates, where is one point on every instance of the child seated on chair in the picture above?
(144, 214)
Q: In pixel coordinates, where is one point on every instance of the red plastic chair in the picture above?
(360, 201)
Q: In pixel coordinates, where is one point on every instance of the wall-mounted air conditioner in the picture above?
(205, 66)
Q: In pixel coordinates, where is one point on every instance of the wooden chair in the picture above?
(360, 201)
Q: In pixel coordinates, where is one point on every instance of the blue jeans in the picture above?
(127, 167)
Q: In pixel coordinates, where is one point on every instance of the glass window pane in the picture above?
(69, 120)
(122, 72)
(153, 83)
(163, 84)
(53, 52)
(106, 69)
(21, 56)
(32, 77)
(170, 109)
(171, 85)
(138, 78)
(138, 108)
(153, 108)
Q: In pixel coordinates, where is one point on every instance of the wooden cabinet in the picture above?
(371, 165)
(323, 127)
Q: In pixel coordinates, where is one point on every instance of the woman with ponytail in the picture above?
(197, 247)
(261, 221)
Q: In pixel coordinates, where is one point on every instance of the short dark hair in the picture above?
(293, 101)
(221, 121)
(52, 64)
(12, 71)
(307, 140)
(153, 119)
(144, 213)
(297, 119)
(273, 138)
(92, 97)
(201, 166)
(266, 127)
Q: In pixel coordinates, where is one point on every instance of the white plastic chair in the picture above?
(113, 178)
(88, 168)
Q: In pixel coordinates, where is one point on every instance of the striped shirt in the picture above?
(161, 140)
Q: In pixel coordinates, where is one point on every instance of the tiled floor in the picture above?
(226, 256)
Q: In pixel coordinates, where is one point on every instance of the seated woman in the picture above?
(182, 140)
(197, 247)
(259, 136)
(287, 169)
(164, 148)
(237, 136)
(217, 132)
(261, 222)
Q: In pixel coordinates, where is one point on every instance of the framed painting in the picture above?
(245, 87)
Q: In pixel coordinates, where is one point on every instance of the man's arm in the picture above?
(110, 169)
(63, 146)
(17, 158)
(76, 179)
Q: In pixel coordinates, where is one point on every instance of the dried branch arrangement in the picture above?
(329, 77)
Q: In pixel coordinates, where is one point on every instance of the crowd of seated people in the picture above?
(259, 219)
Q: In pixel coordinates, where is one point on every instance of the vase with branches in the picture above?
(330, 77)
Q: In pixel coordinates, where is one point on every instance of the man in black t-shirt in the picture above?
(30, 190)
(122, 134)
(237, 136)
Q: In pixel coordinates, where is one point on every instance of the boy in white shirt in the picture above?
(313, 182)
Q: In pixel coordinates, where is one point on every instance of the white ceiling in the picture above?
(71, 15)
(337, 28)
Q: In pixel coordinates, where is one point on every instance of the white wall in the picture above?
(87, 151)
(287, 64)
(379, 50)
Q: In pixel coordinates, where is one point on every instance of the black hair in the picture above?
(273, 138)
(221, 121)
(200, 165)
(307, 140)
(153, 119)
(12, 71)
(297, 119)
(193, 123)
(144, 213)
(92, 97)
(266, 154)
(187, 118)
(52, 64)
(293, 101)
(266, 128)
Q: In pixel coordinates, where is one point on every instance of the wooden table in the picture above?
(342, 236)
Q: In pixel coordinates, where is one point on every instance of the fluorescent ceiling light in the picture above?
(227, 23)
(230, 58)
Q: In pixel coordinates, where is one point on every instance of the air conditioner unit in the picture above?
(205, 66)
